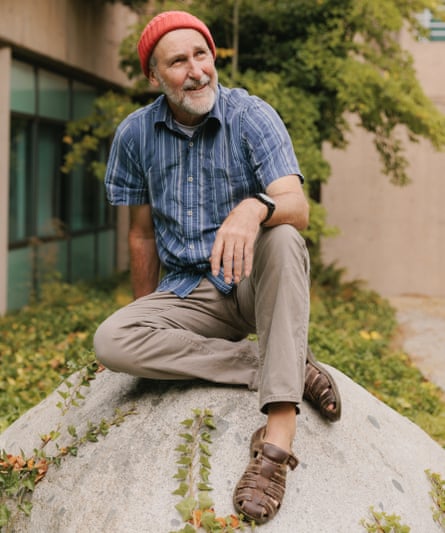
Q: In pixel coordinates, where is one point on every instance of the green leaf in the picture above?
(26, 507)
(182, 489)
(204, 448)
(203, 486)
(205, 501)
(28, 484)
(54, 435)
(72, 431)
(204, 461)
(182, 473)
(204, 474)
(188, 422)
(209, 523)
(91, 437)
(5, 513)
(184, 460)
(187, 436)
(182, 448)
(185, 508)
(187, 529)
(209, 423)
(205, 436)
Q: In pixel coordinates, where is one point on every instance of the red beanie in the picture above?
(162, 24)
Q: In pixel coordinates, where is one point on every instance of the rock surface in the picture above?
(124, 482)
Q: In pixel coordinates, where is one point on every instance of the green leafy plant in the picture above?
(196, 506)
(44, 343)
(437, 494)
(384, 523)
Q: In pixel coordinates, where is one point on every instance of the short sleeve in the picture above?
(125, 181)
(268, 143)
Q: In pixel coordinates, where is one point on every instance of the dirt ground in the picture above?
(422, 333)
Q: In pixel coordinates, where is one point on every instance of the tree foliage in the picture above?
(322, 64)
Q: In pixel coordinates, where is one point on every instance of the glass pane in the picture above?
(83, 99)
(23, 88)
(106, 253)
(83, 200)
(49, 180)
(53, 96)
(20, 180)
(82, 258)
(19, 278)
(103, 207)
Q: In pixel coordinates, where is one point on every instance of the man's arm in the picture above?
(233, 247)
(144, 259)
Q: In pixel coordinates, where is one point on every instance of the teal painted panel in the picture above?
(106, 253)
(23, 88)
(82, 258)
(20, 284)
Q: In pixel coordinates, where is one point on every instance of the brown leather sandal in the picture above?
(260, 491)
(320, 389)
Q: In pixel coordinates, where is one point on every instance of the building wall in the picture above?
(77, 33)
(77, 38)
(5, 68)
(391, 237)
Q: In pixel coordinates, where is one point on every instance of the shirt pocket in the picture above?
(164, 192)
(228, 187)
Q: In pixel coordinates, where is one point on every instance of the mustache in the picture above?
(191, 85)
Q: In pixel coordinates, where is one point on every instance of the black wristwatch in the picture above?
(268, 202)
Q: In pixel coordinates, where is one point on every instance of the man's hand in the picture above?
(233, 246)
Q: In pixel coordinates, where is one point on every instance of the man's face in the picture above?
(185, 72)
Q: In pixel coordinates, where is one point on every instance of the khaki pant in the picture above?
(161, 336)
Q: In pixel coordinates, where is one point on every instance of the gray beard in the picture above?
(188, 104)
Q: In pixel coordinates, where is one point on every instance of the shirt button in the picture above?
(190, 179)
(189, 212)
(191, 246)
(190, 144)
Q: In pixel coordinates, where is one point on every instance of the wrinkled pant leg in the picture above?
(277, 292)
(161, 336)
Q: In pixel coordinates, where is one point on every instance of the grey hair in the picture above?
(152, 62)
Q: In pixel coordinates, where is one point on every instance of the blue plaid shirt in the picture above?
(192, 183)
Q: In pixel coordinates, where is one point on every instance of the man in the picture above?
(216, 200)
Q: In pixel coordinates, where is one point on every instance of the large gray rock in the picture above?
(124, 483)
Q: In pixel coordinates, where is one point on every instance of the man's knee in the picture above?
(108, 349)
(283, 245)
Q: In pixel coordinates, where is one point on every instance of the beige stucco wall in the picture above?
(79, 33)
(391, 237)
(5, 69)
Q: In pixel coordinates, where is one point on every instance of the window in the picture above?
(57, 223)
(436, 26)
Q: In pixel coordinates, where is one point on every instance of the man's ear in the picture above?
(153, 79)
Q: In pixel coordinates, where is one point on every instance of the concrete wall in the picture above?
(72, 35)
(5, 69)
(392, 237)
(78, 33)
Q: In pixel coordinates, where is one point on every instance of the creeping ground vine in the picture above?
(196, 506)
(19, 474)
